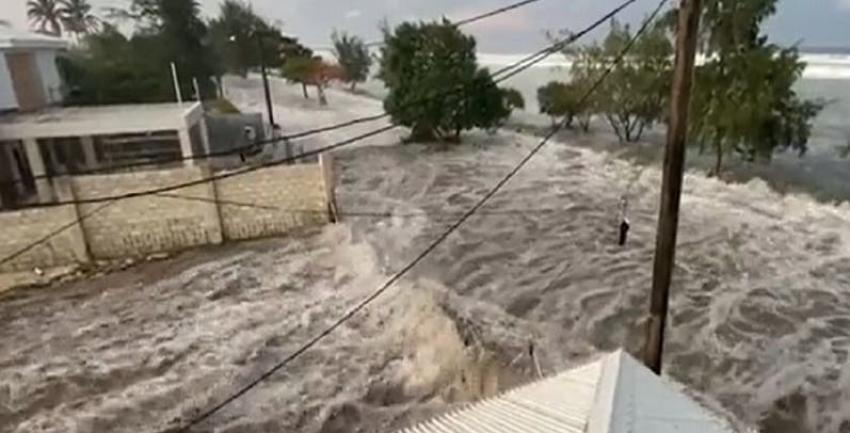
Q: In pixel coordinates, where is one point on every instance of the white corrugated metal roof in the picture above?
(615, 394)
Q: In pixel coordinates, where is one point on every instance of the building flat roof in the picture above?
(98, 120)
(14, 38)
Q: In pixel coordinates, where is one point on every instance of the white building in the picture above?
(39, 139)
(28, 76)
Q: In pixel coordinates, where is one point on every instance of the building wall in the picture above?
(7, 91)
(26, 80)
(272, 201)
(267, 202)
(147, 224)
(20, 229)
(46, 62)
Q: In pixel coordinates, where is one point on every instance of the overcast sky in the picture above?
(814, 22)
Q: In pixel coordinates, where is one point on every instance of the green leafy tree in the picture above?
(744, 101)
(77, 17)
(513, 98)
(111, 68)
(421, 65)
(634, 97)
(298, 63)
(182, 32)
(565, 102)
(237, 36)
(298, 70)
(46, 16)
(353, 56)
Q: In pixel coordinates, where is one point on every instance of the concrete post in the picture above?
(186, 146)
(15, 173)
(89, 154)
(217, 236)
(75, 235)
(36, 162)
(205, 135)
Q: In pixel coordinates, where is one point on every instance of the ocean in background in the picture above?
(822, 172)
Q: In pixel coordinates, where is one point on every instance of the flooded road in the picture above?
(760, 307)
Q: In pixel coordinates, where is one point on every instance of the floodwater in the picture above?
(760, 307)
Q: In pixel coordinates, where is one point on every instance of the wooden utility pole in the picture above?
(671, 186)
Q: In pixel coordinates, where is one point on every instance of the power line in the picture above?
(53, 234)
(363, 213)
(530, 60)
(293, 136)
(425, 253)
(510, 70)
(476, 18)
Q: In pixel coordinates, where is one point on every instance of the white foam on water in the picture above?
(819, 66)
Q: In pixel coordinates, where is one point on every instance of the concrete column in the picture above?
(76, 234)
(36, 162)
(15, 172)
(186, 146)
(53, 157)
(205, 135)
(89, 154)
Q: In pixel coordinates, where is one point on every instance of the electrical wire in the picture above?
(286, 137)
(161, 191)
(511, 70)
(421, 256)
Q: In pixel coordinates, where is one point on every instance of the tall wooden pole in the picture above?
(671, 186)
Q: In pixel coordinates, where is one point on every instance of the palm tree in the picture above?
(45, 14)
(76, 16)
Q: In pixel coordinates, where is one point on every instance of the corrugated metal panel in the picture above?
(559, 404)
(615, 394)
(647, 403)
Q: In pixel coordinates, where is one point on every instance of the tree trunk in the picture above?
(718, 162)
(304, 90)
(584, 123)
(640, 128)
(323, 101)
(353, 86)
(614, 125)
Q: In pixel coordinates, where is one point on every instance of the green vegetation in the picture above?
(634, 97)
(77, 17)
(744, 102)
(513, 99)
(112, 68)
(46, 15)
(237, 36)
(563, 103)
(353, 57)
(435, 85)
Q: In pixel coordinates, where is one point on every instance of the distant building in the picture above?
(40, 139)
(29, 79)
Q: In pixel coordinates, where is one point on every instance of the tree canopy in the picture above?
(77, 17)
(435, 85)
(46, 15)
(353, 57)
(111, 68)
(563, 102)
(237, 36)
(631, 99)
(744, 98)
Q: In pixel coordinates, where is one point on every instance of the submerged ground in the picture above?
(760, 313)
